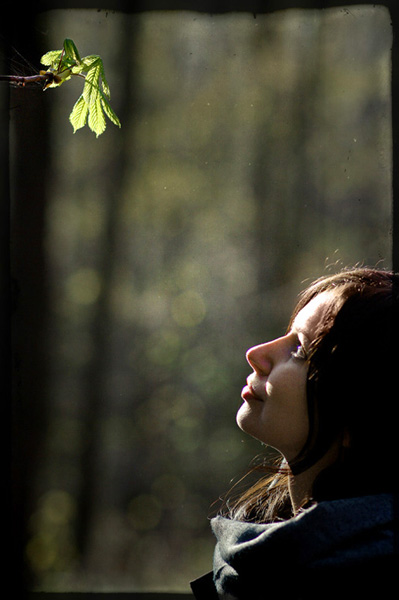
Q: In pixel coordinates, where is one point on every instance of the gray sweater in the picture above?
(336, 549)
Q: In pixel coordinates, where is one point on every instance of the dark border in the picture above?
(16, 14)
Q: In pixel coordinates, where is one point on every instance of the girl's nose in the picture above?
(259, 358)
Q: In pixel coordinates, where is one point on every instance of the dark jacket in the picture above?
(338, 549)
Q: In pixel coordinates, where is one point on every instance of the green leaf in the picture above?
(91, 89)
(95, 62)
(50, 58)
(93, 105)
(71, 51)
(104, 83)
(96, 120)
(79, 114)
(89, 60)
(109, 112)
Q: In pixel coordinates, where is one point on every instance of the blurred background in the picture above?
(254, 156)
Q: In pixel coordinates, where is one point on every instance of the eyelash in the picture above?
(299, 353)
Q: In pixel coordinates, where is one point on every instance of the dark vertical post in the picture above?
(395, 140)
(5, 302)
(28, 164)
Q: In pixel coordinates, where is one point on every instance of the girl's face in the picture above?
(274, 410)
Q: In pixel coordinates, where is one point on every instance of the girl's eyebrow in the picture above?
(299, 332)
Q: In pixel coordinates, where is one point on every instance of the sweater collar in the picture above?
(339, 532)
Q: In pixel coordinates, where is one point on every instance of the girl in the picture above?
(323, 523)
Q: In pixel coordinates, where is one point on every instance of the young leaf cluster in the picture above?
(94, 103)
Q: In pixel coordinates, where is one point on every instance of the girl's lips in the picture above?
(248, 393)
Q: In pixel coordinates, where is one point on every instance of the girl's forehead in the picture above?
(308, 319)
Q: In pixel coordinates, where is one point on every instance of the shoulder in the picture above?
(330, 548)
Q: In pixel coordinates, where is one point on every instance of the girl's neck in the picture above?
(300, 486)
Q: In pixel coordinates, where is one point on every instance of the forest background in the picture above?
(254, 156)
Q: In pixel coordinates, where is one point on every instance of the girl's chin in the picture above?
(246, 419)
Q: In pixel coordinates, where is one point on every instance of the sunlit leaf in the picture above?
(79, 114)
(104, 82)
(71, 51)
(96, 120)
(50, 58)
(109, 112)
(93, 104)
(91, 89)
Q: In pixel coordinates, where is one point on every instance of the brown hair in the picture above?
(350, 388)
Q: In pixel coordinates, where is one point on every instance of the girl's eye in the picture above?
(299, 353)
